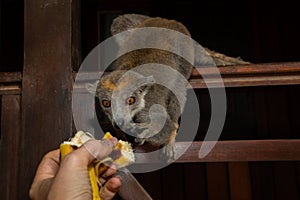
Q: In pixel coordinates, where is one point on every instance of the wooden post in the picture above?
(47, 82)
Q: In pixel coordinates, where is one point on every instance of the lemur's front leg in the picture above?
(158, 120)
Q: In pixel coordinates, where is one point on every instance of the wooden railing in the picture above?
(264, 74)
(238, 152)
(224, 151)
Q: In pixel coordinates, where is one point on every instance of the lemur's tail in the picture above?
(202, 56)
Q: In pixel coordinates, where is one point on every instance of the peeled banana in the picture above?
(122, 156)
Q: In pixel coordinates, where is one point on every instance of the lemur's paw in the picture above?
(167, 154)
(141, 137)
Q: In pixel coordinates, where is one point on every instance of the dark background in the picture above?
(257, 31)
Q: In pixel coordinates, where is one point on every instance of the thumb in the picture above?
(96, 149)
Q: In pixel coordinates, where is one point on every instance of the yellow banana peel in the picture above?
(123, 156)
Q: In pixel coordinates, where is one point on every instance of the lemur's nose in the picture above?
(120, 122)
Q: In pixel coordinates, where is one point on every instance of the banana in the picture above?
(121, 156)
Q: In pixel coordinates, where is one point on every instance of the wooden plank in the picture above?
(9, 146)
(260, 68)
(238, 81)
(267, 74)
(239, 150)
(10, 89)
(234, 70)
(47, 83)
(240, 182)
(247, 81)
(8, 77)
(249, 75)
(217, 181)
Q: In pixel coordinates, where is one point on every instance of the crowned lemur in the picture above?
(138, 114)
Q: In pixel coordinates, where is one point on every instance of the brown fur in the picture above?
(154, 93)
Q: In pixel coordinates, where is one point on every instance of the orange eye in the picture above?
(106, 103)
(131, 100)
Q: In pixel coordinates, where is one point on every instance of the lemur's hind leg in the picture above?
(168, 152)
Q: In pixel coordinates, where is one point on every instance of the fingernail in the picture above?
(114, 140)
(98, 148)
(118, 176)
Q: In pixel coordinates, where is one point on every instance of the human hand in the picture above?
(69, 179)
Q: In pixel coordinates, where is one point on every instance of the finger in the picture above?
(48, 166)
(107, 174)
(94, 149)
(44, 176)
(110, 188)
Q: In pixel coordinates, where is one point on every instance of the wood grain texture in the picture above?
(259, 68)
(9, 146)
(47, 83)
(248, 75)
(265, 74)
(236, 150)
(10, 89)
(10, 83)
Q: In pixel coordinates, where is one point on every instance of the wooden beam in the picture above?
(232, 151)
(10, 89)
(259, 68)
(240, 81)
(46, 84)
(265, 74)
(10, 83)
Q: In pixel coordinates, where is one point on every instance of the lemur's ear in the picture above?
(126, 22)
(146, 83)
(91, 87)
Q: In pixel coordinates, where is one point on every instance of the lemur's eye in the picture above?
(131, 100)
(106, 103)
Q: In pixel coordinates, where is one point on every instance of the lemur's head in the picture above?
(121, 95)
